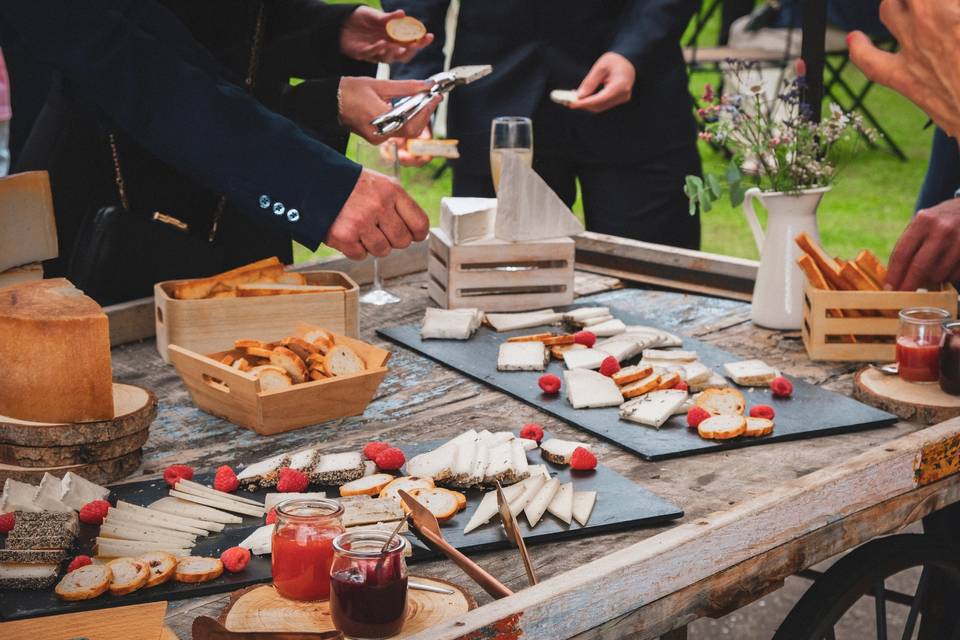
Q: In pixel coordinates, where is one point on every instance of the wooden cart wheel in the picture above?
(862, 574)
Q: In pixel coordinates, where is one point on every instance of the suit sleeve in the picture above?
(186, 114)
(649, 27)
(433, 14)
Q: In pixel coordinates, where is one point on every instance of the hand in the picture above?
(364, 37)
(926, 69)
(616, 74)
(363, 99)
(408, 159)
(928, 252)
(377, 217)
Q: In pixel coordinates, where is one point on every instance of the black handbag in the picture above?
(119, 254)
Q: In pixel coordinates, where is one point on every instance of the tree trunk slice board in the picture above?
(132, 622)
(72, 454)
(134, 411)
(923, 403)
(102, 472)
(261, 609)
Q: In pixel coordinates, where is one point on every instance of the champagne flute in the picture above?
(509, 134)
(385, 159)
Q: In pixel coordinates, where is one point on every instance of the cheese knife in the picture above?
(513, 532)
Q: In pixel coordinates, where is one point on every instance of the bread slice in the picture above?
(750, 373)
(669, 380)
(757, 427)
(440, 502)
(161, 566)
(195, 569)
(300, 347)
(533, 337)
(630, 374)
(272, 377)
(203, 287)
(642, 386)
(341, 360)
(367, 485)
(722, 401)
(290, 362)
(128, 575)
(407, 483)
(461, 498)
(406, 29)
(256, 289)
(85, 583)
(322, 339)
(722, 427)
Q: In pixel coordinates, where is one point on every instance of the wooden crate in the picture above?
(874, 336)
(236, 395)
(205, 326)
(495, 275)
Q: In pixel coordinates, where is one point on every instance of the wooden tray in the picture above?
(134, 622)
(205, 326)
(925, 403)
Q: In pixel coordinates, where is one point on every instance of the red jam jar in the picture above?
(303, 547)
(950, 358)
(368, 591)
(918, 343)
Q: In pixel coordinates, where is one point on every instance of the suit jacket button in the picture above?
(278, 208)
(264, 201)
(293, 215)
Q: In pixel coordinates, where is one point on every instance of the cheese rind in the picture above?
(467, 220)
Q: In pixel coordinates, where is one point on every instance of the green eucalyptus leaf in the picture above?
(713, 186)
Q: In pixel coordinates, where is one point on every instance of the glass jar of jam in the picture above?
(950, 358)
(918, 343)
(368, 591)
(303, 547)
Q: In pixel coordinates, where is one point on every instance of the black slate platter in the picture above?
(620, 504)
(811, 412)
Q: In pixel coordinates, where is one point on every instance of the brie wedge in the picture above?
(77, 491)
(468, 219)
(260, 542)
(450, 324)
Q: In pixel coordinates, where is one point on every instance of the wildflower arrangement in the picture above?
(776, 144)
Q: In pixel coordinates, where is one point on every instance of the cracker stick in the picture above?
(827, 265)
(871, 265)
(856, 278)
(536, 337)
(818, 281)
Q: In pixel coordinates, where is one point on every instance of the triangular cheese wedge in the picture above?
(527, 208)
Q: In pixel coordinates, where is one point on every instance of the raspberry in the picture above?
(271, 516)
(7, 520)
(781, 387)
(582, 459)
(79, 561)
(292, 481)
(762, 411)
(390, 459)
(176, 472)
(609, 366)
(225, 480)
(682, 386)
(549, 383)
(586, 338)
(532, 432)
(235, 559)
(373, 448)
(94, 512)
(695, 416)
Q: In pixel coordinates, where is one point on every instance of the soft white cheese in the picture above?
(467, 220)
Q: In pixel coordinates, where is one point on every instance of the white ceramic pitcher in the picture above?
(778, 292)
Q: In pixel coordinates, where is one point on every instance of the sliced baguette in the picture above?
(441, 503)
(194, 569)
(722, 402)
(367, 486)
(85, 583)
(722, 427)
(405, 30)
(757, 427)
(271, 377)
(341, 360)
(256, 289)
(290, 362)
(161, 566)
(630, 374)
(669, 380)
(128, 575)
(408, 484)
(204, 287)
(640, 387)
(300, 347)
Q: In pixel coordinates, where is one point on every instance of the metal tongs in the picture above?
(405, 108)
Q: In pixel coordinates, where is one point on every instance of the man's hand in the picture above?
(926, 69)
(363, 99)
(377, 217)
(364, 37)
(928, 252)
(615, 74)
(408, 159)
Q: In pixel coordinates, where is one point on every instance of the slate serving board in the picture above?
(620, 504)
(811, 412)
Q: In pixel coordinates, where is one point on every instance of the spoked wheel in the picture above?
(863, 573)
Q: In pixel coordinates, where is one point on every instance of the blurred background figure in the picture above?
(5, 114)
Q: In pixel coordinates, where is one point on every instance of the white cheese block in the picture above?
(173, 519)
(468, 219)
(696, 373)
(273, 499)
(589, 322)
(523, 356)
(260, 542)
(583, 502)
(18, 496)
(115, 548)
(212, 499)
(124, 531)
(135, 519)
(500, 464)
(715, 381)
(588, 389)
(584, 358)
(642, 340)
(562, 504)
(26, 217)
(436, 464)
(580, 314)
(188, 509)
(608, 328)
(77, 491)
(305, 460)
(654, 408)
(531, 487)
(527, 208)
(26, 570)
(750, 373)
(518, 461)
(528, 445)
(670, 355)
(221, 494)
(488, 506)
(450, 324)
(47, 495)
(539, 503)
(622, 350)
(257, 470)
(219, 503)
(526, 320)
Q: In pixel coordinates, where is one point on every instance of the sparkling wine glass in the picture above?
(384, 159)
(509, 134)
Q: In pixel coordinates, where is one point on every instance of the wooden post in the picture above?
(812, 52)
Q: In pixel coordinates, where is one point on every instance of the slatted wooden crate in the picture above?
(495, 275)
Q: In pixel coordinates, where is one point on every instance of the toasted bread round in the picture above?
(722, 427)
(197, 569)
(315, 360)
(341, 360)
(161, 566)
(721, 402)
(440, 502)
(461, 498)
(271, 377)
(317, 374)
(247, 344)
(290, 362)
(757, 427)
(227, 359)
(322, 339)
(300, 347)
(367, 485)
(407, 483)
(241, 364)
(129, 574)
(406, 29)
(84, 583)
(260, 352)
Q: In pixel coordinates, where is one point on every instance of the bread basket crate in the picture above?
(862, 325)
(209, 325)
(237, 395)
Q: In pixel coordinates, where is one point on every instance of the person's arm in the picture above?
(433, 14)
(928, 252)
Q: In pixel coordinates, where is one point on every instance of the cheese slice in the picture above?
(435, 148)
(488, 506)
(214, 500)
(157, 523)
(527, 208)
(186, 508)
(372, 511)
(588, 389)
(77, 491)
(562, 504)
(577, 316)
(675, 356)
(539, 503)
(527, 320)
(47, 495)
(750, 373)
(450, 324)
(271, 500)
(110, 529)
(219, 503)
(528, 444)
(584, 358)
(261, 472)
(654, 408)
(500, 464)
(608, 328)
(523, 356)
(116, 548)
(466, 220)
(696, 372)
(622, 350)
(664, 339)
(205, 490)
(583, 503)
(531, 487)
(304, 461)
(18, 496)
(171, 520)
(715, 381)
(437, 464)
(589, 322)
(260, 542)
(26, 217)
(480, 460)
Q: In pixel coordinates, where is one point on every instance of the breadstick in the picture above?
(855, 277)
(827, 265)
(536, 337)
(815, 276)
(871, 265)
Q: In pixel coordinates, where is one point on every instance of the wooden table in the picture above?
(753, 516)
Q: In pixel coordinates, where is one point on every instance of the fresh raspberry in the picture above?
(176, 472)
(271, 516)
(695, 416)
(292, 481)
(94, 512)
(762, 411)
(681, 385)
(549, 383)
(7, 520)
(225, 480)
(373, 448)
(390, 459)
(586, 338)
(781, 387)
(582, 459)
(532, 432)
(235, 559)
(79, 561)
(609, 366)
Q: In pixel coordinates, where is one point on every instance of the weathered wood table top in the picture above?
(420, 397)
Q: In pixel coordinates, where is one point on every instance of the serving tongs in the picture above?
(427, 526)
(513, 532)
(443, 83)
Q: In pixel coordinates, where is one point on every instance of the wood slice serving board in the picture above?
(101, 471)
(924, 403)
